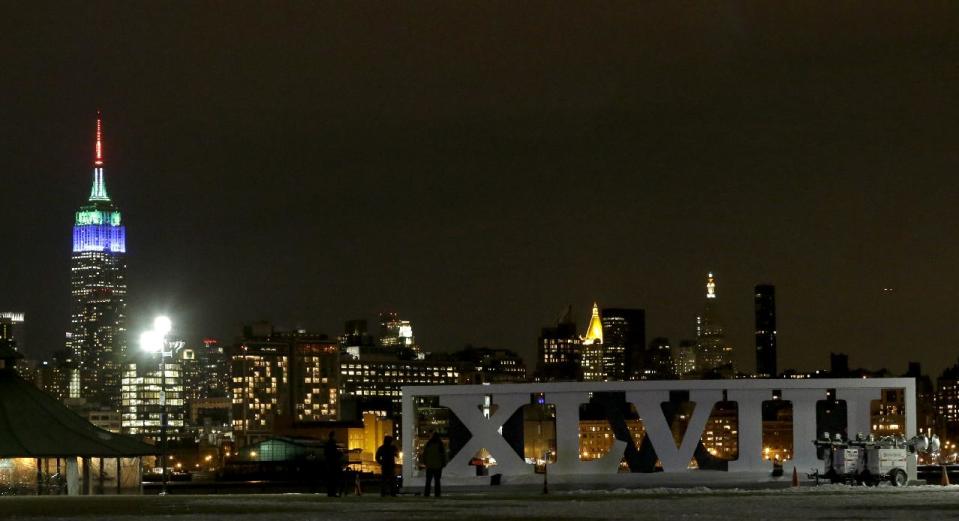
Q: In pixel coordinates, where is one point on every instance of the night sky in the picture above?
(479, 166)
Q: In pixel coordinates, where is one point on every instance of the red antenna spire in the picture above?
(98, 160)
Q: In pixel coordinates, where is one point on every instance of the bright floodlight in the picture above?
(162, 325)
(151, 341)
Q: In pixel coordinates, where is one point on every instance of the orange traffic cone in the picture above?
(795, 477)
(944, 481)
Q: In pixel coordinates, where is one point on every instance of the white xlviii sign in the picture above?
(466, 402)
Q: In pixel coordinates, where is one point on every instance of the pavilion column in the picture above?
(119, 486)
(100, 478)
(73, 477)
(87, 486)
(39, 477)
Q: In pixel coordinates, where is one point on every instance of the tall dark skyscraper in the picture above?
(624, 337)
(766, 330)
(98, 335)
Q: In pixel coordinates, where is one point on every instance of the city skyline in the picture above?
(369, 183)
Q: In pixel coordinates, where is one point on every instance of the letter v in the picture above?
(649, 406)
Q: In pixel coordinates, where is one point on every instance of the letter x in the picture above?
(485, 432)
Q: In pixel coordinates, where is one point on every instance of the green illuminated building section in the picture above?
(85, 217)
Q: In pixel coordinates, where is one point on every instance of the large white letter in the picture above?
(649, 406)
(567, 439)
(73, 477)
(485, 433)
(749, 403)
(858, 409)
(804, 429)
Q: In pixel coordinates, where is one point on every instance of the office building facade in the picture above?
(280, 380)
(559, 352)
(624, 341)
(142, 385)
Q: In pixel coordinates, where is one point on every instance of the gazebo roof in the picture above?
(35, 425)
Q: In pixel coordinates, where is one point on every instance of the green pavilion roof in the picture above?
(35, 425)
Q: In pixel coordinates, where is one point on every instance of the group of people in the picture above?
(433, 457)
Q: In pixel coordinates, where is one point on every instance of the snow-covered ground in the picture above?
(833, 502)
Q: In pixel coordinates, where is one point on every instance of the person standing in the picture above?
(434, 458)
(386, 457)
(333, 459)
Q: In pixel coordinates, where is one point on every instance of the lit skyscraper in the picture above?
(594, 369)
(766, 330)
(712, 352)
(141, 383)
(97, 337)
(624, 339)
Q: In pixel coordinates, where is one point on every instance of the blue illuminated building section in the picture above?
(97, 228)
(99, 237)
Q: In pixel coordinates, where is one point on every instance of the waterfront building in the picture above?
(378, 379)
(281, 380)
(145, 377)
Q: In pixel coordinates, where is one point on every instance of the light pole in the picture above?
(154, 341)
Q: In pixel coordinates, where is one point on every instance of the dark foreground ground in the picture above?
(823, 503)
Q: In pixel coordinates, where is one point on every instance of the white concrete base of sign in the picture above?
(704, 478)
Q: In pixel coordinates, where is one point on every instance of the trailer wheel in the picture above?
(898, 477)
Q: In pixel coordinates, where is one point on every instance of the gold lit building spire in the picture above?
(594, 333)
(710, 286)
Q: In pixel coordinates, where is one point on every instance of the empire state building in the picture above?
(98, 336)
